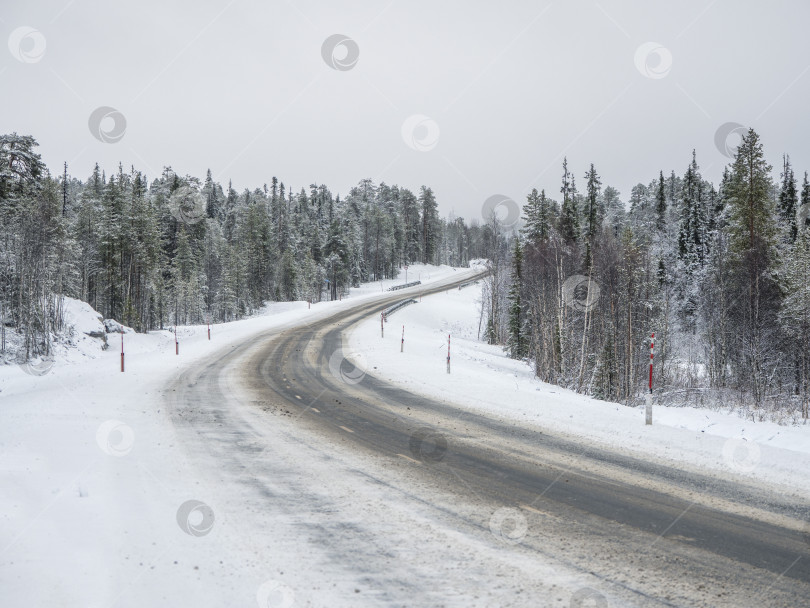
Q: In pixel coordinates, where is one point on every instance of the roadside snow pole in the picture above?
(402, 344)
(176, 343)
(448, 353)
(650, 394)
(382, 326)
(122, 349)
(209, 327)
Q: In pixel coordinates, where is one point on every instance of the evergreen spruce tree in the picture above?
(803, 219)
(752, 227)
(516, 341)
(412, 226)
(288, 278)
(613, 209)
(537, 217)
(751, 211)
(569, 215)
(718, 216)
(336, 254)
(430, 228)
(788, 202)
(593, 215)
(661, 204)
(693, 221)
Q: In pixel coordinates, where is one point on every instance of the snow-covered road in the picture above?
(95, 475)
(261, 467)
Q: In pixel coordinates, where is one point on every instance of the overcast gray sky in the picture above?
(472, 98)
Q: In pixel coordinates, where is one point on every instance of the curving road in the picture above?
(642, 534)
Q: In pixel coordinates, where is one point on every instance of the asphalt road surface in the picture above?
(646, 534)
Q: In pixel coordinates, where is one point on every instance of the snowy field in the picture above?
(90, 466)
(484, 379)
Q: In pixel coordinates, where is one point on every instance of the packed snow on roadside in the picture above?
(483, 378)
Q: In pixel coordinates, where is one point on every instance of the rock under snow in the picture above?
(114, 327)
(81, 316)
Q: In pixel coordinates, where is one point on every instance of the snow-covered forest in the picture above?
(720, 274)
(180, 250)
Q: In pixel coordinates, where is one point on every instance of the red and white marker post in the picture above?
(448, 353)
(650, 394)
(402, 344)
(122, 350)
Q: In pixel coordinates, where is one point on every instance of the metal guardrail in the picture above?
(405, 285)
(463, 285)
(392, 309)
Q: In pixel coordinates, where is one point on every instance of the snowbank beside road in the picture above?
(482, 378)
